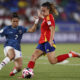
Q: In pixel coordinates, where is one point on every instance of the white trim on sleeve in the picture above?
(1, 31)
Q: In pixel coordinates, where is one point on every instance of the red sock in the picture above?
(31, 64)
(62, 57)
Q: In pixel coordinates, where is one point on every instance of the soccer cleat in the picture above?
(74, 54)
(11, 74)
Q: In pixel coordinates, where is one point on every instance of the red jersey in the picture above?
(45, 31)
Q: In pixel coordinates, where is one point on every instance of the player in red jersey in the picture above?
(47, 43)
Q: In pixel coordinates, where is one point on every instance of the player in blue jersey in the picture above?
(12, 49)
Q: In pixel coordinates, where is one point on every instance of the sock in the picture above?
(31, 64)
(62, 57)
(15, 70)
(5, 61)
(70, 55)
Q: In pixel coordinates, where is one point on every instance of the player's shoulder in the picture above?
(6, 27)
(50, 16)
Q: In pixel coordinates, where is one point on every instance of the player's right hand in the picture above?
(40, 15)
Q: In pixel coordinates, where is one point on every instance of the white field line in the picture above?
(65, 62)
(55, 64)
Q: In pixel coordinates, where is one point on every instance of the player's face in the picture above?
(15, 22)
(44, 11)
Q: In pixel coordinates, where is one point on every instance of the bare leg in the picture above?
(37, 53)
(18, 66)
(53, 60)
(10, 56)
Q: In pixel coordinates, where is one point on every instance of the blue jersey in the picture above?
(13, 36)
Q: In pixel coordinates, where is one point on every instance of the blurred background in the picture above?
(67, 23)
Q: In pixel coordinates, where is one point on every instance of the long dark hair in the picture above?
(51, 7)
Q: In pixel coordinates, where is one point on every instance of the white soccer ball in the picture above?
(27, 73)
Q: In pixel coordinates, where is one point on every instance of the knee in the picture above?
(52, 62)
(11, 57)
(11, 54)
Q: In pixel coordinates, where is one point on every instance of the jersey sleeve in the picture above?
(24, 29)
(2, 32)
(50, 20)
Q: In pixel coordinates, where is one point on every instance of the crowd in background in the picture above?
(69, 11)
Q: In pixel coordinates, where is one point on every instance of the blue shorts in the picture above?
(46, 47)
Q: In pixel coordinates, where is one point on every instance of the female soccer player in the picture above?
(12, 50)
(47, 43)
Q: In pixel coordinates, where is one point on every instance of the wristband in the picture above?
(36, 21)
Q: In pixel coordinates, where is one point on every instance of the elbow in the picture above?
(30, 31)
(34, 30)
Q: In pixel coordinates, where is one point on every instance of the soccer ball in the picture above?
(27, 73)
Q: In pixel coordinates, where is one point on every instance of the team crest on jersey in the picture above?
(47, 50)
(20, 31)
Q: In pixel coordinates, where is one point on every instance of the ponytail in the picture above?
(51, 7)
(53, 10)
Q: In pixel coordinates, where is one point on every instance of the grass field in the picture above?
(43, 70)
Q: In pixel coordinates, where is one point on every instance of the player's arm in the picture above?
(36, 21)
(51, 24)
(52, 29)
(33, 28)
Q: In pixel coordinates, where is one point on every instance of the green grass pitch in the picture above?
(43, 70)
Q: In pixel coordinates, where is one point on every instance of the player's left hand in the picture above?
(51, 43)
